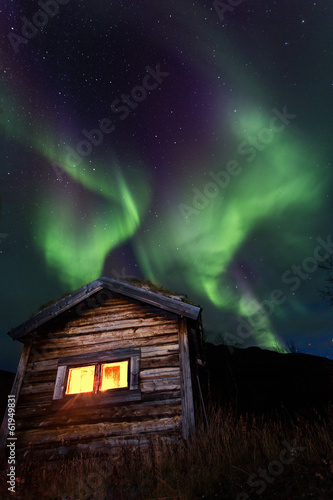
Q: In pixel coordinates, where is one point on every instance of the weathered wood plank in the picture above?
(171, 361)
(167, 384)
(35, 400)
(160, 396)
(160, 350)
(159, 373)
(78, 327)
(188, 424)
(112, 446)
(97, 430)
(114, 309)
(45, 354)
(99, 399)
(136, 411)
(35, 366)
(111, 355)
(60, 382)
(109, 326)
(26, 414)
(40, 408)
(15, 392)
(46, 387)
(114, 306)
(99, 337)
(33, 377)
(109, 323)
(104, 315)
(134, 372)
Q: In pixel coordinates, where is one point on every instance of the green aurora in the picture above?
(75, 249)
(200, 241)
(193, 250)
(197, 243)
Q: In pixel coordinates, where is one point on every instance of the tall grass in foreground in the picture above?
(234, 458)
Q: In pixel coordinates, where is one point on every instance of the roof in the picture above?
(164, 302)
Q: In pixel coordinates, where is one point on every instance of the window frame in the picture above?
(116, 395)
(95, 380)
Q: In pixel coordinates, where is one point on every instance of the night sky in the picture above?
(184, 142)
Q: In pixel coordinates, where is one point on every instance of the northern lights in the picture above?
(205, 242)
(214, 183)
(77, 251)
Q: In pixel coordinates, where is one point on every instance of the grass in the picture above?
(219, 463)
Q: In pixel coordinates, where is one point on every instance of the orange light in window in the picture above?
(80, 379)
(114, 375)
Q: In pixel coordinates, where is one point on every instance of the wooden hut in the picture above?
(109, 364)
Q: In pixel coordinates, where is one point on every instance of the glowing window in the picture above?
(114, 375)
(80, 379)
(107, 377)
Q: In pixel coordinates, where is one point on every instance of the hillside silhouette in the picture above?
(261, 381)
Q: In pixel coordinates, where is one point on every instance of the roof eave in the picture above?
(55, 309)
(155, 299)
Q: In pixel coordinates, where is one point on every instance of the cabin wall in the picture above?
(118, 323)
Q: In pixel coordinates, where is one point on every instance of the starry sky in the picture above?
(184, 142)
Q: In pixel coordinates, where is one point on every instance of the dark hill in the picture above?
(256, 380)
(6, 382)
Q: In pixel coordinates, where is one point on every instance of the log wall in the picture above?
(118, 323)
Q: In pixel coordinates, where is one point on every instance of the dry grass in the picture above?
(217, 463)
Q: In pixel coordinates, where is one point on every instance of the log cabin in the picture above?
(110, 364)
